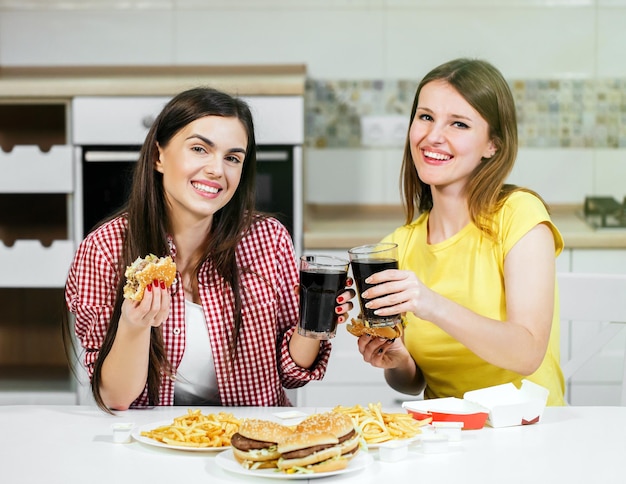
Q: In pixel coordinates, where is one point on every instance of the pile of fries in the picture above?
(197, 430)
(377, 426)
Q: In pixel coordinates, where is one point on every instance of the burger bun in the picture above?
(305, 449)
(143, 271)
(338, 424)
(255, 445)
(358, 328)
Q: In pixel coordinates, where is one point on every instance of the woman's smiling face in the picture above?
(202, 166)
(448, 137)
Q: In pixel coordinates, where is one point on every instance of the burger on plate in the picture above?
(359, 328)
(311, 451)
(338, 424)
(255, 445)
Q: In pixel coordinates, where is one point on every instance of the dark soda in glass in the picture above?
(361, 270)
(319, 289)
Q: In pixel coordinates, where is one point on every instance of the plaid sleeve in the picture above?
(90, 288)
(292, 375)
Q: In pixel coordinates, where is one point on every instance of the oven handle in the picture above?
(104, 156)
(100, 156)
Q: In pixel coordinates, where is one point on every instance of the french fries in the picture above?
(377, 426)
(197, 430)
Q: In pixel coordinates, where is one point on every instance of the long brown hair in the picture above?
(149, 224)
(486, 90)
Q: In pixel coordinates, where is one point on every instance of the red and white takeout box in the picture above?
(498, 406)
(509, 405)
(471, 415)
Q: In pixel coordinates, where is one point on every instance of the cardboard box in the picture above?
(509, 406)
(498, 406)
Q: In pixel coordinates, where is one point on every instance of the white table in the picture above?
(73, 444)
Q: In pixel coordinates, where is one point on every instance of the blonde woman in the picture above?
(476, 276)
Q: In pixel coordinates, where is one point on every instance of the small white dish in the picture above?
(451, 429)
(122, 432)
(393, 451)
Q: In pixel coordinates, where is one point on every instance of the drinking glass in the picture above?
(322, 279)
(367, 260)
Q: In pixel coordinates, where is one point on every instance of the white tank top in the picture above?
(196, 381)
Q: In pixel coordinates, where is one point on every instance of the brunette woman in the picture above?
(225, 332)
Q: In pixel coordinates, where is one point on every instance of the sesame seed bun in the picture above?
(338, 424)
(329, 465)
(302, 440)
(264, 430)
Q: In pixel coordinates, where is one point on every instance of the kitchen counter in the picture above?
(342, 227)
(67, 82)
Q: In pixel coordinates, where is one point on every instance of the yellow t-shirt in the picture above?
(469, 268)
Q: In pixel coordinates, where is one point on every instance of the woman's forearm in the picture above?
(406, 378)
(303, 350)
(125, 369)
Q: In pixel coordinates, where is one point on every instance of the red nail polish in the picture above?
(340, 299)
(156, 283)
(149, 287)
(162, 285)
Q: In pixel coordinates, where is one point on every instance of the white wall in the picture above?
(349, 39)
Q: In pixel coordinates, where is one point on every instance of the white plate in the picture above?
(227, 461)
(146, 440)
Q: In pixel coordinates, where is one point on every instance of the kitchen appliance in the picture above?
(604, 212)
(108, 133)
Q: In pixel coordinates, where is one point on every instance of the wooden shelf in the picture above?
(28, 123)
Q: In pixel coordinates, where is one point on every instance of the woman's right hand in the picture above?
(401, 372)
(383, 353)
(152, 310)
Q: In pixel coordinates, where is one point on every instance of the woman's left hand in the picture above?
(344, 301)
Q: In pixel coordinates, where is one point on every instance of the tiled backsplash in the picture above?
(552, 113)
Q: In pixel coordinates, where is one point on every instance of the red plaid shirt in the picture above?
(263, 366)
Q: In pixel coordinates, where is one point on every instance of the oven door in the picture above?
(106, 173)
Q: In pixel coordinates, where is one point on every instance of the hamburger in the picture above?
(255, 445)
(338, 424)
(311, 451)
(359, 328)
(144, 271)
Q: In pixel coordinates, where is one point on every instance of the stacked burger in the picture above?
(320, 443)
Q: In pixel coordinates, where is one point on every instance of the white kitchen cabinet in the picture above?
(612, 261)
(564, 261)
(36, 248)
(599, 381)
